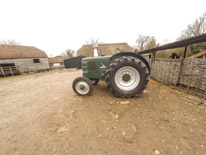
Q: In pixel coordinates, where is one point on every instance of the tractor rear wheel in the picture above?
(82, 86)
(127, 76)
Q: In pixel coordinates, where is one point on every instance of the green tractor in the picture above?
(126, 74)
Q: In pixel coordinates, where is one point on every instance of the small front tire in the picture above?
(82, 86)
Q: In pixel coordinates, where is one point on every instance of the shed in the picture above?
(106, 49)
(56, 62)
(26, 58)
(75, 62)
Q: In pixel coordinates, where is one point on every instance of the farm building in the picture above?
(106, 49)
(75, 62)
(56, 62)
(23, 58)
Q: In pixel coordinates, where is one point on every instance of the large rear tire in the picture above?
(127, 76)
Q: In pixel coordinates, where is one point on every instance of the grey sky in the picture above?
(56, 25)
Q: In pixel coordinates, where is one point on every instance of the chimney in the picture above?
(95, 47)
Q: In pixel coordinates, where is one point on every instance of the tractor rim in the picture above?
(82, 87)
(127, 78)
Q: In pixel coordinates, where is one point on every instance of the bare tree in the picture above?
(69, 53)
(145, 42)
(151, 43)
(195, 29)
(10, 42)
(141, 42)
(92, 40)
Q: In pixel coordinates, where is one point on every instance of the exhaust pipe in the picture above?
(95, 47)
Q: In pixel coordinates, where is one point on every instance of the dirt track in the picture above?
(40, 114)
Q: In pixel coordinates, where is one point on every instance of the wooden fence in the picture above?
(9, 71)
(187, 74)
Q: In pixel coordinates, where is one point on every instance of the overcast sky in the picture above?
(56, 25)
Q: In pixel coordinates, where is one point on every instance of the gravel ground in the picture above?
(40, 114)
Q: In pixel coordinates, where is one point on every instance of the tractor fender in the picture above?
(132, 55)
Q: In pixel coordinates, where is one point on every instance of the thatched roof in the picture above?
(57, 59)
(107, 49)
(17, 51)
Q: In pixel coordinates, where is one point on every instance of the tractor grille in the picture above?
(91, 65)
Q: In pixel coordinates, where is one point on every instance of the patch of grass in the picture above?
(24, 75)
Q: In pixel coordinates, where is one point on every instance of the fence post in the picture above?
(185, 52)
(164, 74)
(153, 55)
(170, 71)
(11, 71)
(188, 86)
(155, 75)
(166, 69)
(198, 84)
(162, 68)
(160, 73)
(2, 71)
(180, 72)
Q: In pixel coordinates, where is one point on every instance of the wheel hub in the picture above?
(127, 78)
(81, 86)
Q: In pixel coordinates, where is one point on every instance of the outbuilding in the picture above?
(75, 62)
(25, 58)
(56, 62)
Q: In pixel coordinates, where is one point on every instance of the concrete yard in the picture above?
(40, 114)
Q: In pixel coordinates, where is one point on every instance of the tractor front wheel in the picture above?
(127, 77)
(82, 86)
